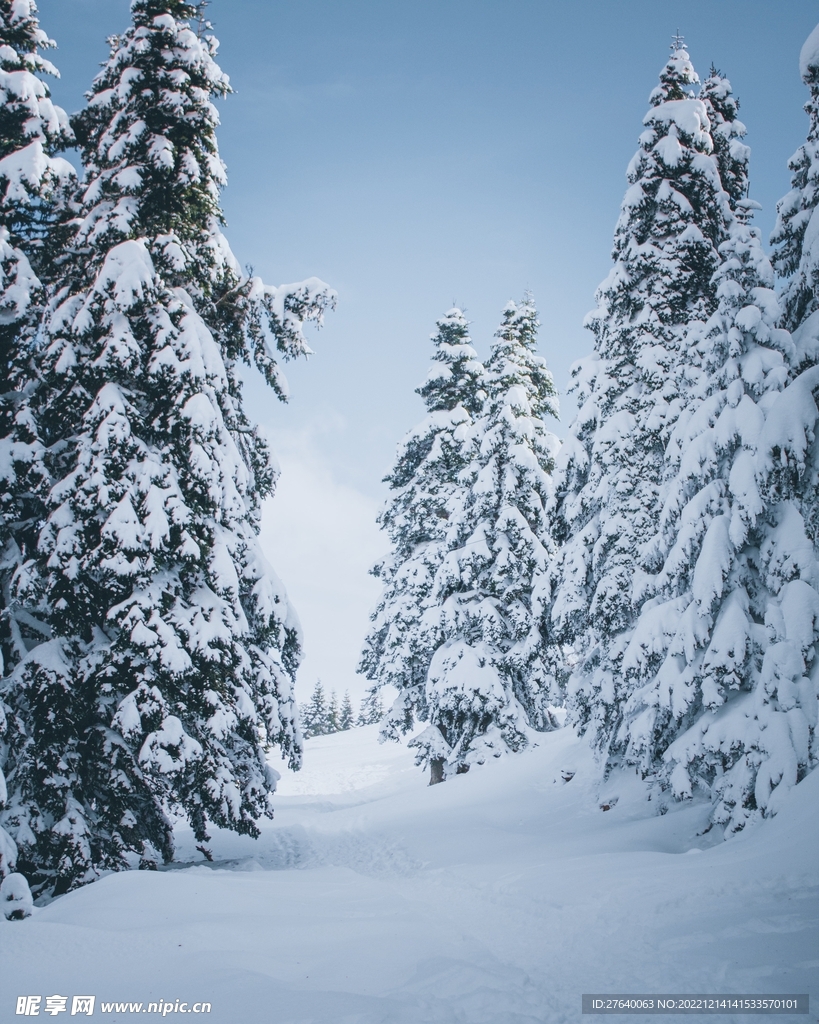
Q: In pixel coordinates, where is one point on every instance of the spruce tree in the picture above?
(727, 131)
(333, 722)
(796, 258)
(314, 713)
(346, 718)
(700, 652)
(423, 481)
(371, 710)
(489, 682)
(773, 739)
(173, 647)
(630, 393)
(32, 131)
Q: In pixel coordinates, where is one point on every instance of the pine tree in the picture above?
(173, 649)
(701, 649)
(32, 131)
(314, 713)
(333, 720)
(797, 257)
(727, 131)
(611, 469)
(764, 745)
(489, 682)
(778, 726)
(346, 719)
(372, 710)
(402, 639)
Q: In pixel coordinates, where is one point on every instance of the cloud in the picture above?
(321, 537)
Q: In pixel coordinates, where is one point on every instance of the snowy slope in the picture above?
(497, 897)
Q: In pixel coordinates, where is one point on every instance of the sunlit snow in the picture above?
(500, 896)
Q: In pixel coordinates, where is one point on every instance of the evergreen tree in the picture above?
(704, 647)
(764, 746)
(778, 726)
(611, 469)
(32, 130)
(797, 256)
(314, 713)
(727, 131)
(489, 681)
(346, 718)
(333, 721)
(173, 647)
(372, 710)
(401, 642)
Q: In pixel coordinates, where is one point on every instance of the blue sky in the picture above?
(422, 153)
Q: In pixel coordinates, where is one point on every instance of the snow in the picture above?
(25, 169)
(128, 272)
(689, 116)
(15, 897)
(809, 56)
(498, 897)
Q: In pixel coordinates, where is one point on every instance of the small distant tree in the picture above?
(346, 717)
(372, 708)
(333, 721)
(314, 713)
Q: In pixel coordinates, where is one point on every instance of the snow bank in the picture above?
(498, 897)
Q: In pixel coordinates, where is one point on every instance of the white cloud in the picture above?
(321, 537)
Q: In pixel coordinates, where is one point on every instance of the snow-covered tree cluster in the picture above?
(457, 630)
(323, 715)
(657, 573)
(148, 649)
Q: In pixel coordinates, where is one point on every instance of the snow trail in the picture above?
(496, 898)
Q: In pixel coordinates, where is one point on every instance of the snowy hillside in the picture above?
(499, 897)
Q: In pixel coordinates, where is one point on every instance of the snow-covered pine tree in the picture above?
(796, 258)
(332, 723)
(401, 642)
(727, 132)
(346, 718)
(699, 657)
(780, 739)
(611, 468)
(722, 704)
(489, 682)
(32, 130)
(314, 713)
(371, 710)
(173, 648)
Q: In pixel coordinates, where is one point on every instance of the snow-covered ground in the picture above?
(500, 896)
